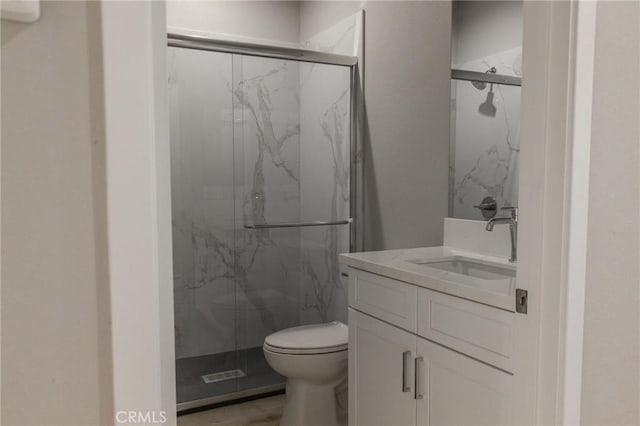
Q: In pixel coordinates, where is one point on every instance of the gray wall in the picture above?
(483, 28)
(273, 20)
(611, 371)
(407, 57)
(55, 343)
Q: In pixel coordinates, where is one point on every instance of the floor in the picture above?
(263, 412)
(189, 372)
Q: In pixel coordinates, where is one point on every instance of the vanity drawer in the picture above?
(480, 331)
(390, 300)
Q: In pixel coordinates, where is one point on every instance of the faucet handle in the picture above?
(487, 207)
(514, 211)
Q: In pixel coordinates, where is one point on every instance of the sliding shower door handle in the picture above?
(406, 374)
(297, 225)
(419, 385)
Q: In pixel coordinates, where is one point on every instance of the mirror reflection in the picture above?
(486, 68)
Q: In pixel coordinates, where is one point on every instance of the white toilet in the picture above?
(313, 358)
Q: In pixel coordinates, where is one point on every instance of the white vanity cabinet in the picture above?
(381, 358)
(419, 357)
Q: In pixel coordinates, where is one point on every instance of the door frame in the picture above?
(558, 45)
(139, 209)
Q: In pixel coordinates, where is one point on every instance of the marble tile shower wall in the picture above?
(485, 149)
(266, 100)
(283, 129)
(325, 185)
(324, 158)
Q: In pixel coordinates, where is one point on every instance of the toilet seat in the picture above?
(309, 339)
(315, 351)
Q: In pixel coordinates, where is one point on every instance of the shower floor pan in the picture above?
(219, 378)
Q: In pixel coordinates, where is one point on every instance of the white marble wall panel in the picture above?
(324, 178)
(325, 191)
(472, 236)
(267, 143)
(485, 149)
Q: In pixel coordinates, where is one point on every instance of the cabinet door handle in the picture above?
(406, 374)
(419, 378)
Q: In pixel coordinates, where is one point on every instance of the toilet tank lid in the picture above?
(332, 334)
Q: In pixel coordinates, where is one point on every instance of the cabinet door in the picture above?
(381, 373)
(453, 389)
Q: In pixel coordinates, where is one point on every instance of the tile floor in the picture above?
(263, 412)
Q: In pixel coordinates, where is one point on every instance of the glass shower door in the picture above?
(292, 162)
(201, 126)
(254, 142)
(267, 173)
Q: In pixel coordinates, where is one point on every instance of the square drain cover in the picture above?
(222, 376)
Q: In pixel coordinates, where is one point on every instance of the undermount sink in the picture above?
(470, 267)
(489, 276)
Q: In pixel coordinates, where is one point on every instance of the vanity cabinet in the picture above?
(381, 379)
(418, 357)
(458, 390)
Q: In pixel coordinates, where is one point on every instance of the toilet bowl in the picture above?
(313, 358)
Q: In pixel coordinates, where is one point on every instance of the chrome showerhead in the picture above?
(487, 107)
(480, 85)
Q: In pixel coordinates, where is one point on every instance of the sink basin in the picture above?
(472, 268)
(488, 276)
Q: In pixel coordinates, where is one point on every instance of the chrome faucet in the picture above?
(513, 228)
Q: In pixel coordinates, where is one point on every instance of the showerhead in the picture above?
(487, 107)
(480, 85)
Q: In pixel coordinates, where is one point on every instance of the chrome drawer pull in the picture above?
(406, 374)
(419, 378)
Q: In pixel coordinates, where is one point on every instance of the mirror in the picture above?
(486, 64)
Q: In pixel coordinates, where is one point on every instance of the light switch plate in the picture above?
(20, 10)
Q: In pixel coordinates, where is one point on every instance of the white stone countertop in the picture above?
(397, 264)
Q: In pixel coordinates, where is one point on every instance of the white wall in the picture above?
(407, 115)
(272, 20)
(56, 365)
(611, 364)
(483, 28)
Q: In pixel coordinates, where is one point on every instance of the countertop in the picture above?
(397, 264)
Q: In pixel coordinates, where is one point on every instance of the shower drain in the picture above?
(222, 376)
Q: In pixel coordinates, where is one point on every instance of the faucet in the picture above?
(513, 228)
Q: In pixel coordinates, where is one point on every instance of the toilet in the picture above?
(313, 358)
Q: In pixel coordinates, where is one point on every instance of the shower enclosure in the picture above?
(262, 153)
